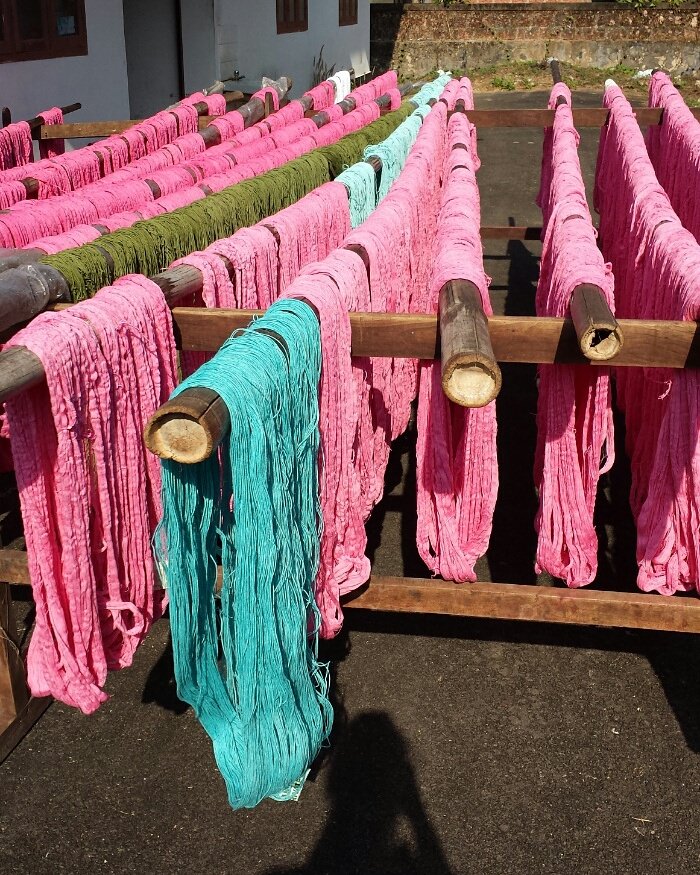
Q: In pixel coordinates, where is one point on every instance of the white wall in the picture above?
(198, 44)
(247, 40)
(152, 55)
(98, 80)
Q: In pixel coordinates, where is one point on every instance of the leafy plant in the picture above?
(319, 69)
(505, 83)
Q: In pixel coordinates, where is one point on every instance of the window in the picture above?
(35, 29)
(347, 12)
(292, 16)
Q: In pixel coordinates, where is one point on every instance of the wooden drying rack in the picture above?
(19, 369)
(464, 339)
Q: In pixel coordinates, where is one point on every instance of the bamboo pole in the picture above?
(470, 375)
(38, 121)
(598, 332)
(16, 281)
(252, 112)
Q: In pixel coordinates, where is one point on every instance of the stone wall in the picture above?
(418, 38)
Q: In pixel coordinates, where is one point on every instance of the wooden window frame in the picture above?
(292, 16)
(347, 13)
(50, 45)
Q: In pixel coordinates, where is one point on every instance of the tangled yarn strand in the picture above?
(268, 714)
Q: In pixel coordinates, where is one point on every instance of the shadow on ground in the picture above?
(377, 823)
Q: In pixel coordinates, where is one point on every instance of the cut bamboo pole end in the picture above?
(27, 290)
(471, 376)
(189, 427)
(555, 68)
(599, 335)
(11, 258)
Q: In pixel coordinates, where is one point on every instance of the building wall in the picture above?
(98, 80)
(247, 40)
(199, 58)
(152, 55)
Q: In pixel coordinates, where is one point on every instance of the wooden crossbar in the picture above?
(499, 601)
(87, 130)
(526, 339)
(584, 117)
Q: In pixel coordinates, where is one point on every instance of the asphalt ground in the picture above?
(459, 746)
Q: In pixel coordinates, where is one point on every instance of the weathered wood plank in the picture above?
(525, 339)
(584, 117)
(20, 726)
(13, 688)
(504, 601)
(507, 601)
(533, 339)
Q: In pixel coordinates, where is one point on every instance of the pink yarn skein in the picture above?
(89, 491)
(574, 408)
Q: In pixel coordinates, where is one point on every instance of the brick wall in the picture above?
(418, 38)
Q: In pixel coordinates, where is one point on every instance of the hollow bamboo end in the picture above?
(189, 427)
(598, 332)
(601, 343)
(178, 437)
(471, 383)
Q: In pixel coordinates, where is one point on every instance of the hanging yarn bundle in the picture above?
(254, 505)
(229, 125)
(574, 409)
(431, 90)
(150, 246)
(215, 103)
(261, 94)
(674, 149)
(52, 148)
(394, 150)
(292, 112)
(361, 183)
(322, 95)
(11, 192)
(15, 148)
(657, 276)
(456, 466)
(396, 239)
(89, 491)
(335, 286)
(97, 202)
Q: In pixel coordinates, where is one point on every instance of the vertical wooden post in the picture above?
(14, 694)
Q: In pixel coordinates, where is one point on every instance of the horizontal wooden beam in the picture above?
(87, 130)
(498, 601)
(13, 567)
(541, 604)
(510, 232)
(527, 339)
(584, 117)
(482, 118)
